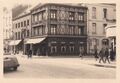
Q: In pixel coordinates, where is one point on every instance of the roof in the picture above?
(60, 4)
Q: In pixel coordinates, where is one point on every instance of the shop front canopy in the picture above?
(14, 42)
(34, 41)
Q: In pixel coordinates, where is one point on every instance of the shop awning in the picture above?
(14, 42)
(34, 41)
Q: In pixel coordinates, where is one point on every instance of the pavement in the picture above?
(89, 59)
(62, 67)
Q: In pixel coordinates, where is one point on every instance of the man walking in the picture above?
(101, 54)
(30, 54)
(96, 54)
(107, 55)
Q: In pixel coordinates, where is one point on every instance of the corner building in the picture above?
(58, 29)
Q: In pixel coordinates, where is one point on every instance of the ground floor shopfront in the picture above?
(96, 43)
(56, 46)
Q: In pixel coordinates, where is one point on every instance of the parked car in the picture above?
(10, 62)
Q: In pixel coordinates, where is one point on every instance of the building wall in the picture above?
(19, 25)
(7, 28)
(61, 27)
(100, 21)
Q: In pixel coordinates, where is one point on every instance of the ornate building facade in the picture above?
(58, 29)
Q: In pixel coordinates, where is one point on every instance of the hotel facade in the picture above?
(58, 29)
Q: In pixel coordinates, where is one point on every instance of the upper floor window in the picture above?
(21, 24)
(53, 29)
(105, 13)
(104, 25)
(35, 18)
(53, 14)
(40, 16)
(94, 13)
(80, 17)
(80, 30)
(16, 25)
(27, 22)
(71, 29)
(24, 23)
(93, 28)
(27, 33)
(71, 16)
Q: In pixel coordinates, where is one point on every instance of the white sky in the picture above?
(11, 3)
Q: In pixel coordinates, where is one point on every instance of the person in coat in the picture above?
(107, 56)
(101, 56)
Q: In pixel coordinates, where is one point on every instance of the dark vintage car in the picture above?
(10, 62)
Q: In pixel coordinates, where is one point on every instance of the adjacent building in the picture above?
(58, 29)
(7, 28)
(21, 31)
(99, 16)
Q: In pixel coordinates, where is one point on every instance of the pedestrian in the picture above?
(96, 54)
(81, 52)
(111, 55)
(107, 55)
(101, 56)
(38, 52)
(30, 54)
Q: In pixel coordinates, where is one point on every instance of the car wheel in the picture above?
(15, 68)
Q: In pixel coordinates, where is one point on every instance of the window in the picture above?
(40, 16)
(94, 28)
(27, 33)
(24, 23)
(40, 30)
(71, 16)
(71, 49)
(21, 24)
(35, 18)
(94, 13)
(53, 14)
(71, 29)
(53, 49)
(18, 35)
(62, 29)
(105, 13)
(53, 29)
(80, 17)
(63, 48)
(27, 22)
(16, 25)
(104, 25)
(80, 30)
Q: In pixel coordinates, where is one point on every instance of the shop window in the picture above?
(71, 48)
(53, 49)
(63, 48)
